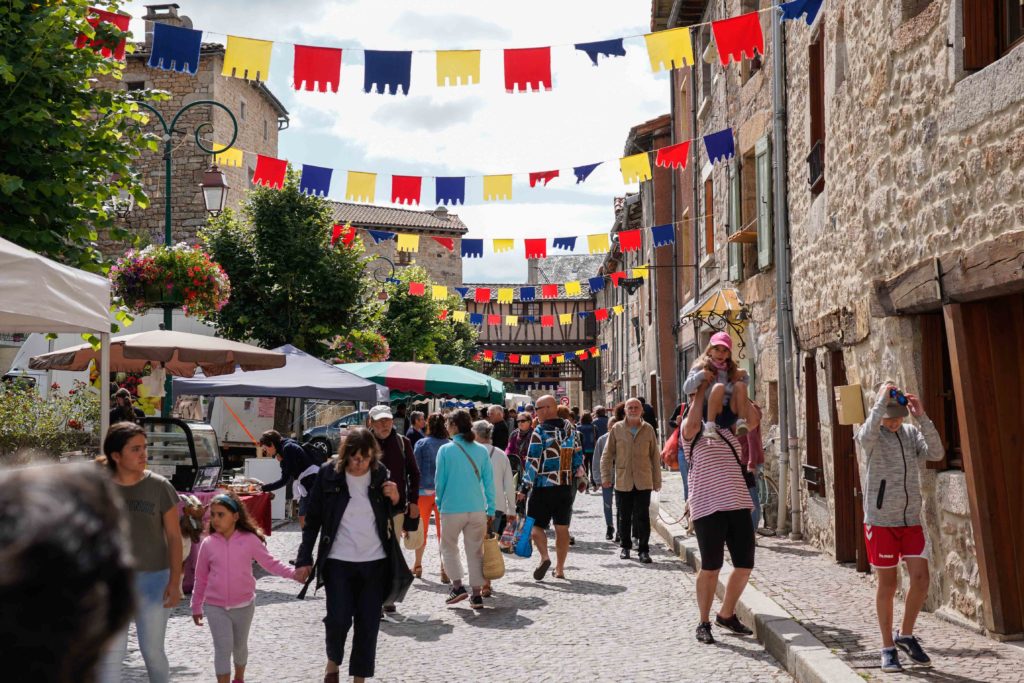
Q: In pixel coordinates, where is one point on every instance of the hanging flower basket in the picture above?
(160, 276)
(359, 346)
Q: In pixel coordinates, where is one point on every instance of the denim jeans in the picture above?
(150, 625)
(684, 472)
(608, 494)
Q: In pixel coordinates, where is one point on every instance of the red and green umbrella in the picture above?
(419, 380)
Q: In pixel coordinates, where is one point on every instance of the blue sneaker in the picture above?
(913, 649)
(891, 661)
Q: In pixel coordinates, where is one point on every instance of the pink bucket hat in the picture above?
(722, 339)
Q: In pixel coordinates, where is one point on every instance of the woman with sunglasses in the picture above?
(519, 443)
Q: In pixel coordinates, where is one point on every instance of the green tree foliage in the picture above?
(66, 146)
(413, 329)
(288, 285)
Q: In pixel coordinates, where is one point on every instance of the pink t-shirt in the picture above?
(715, 479)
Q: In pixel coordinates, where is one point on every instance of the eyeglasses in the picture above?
(526, 421)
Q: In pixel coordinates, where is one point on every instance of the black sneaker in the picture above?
(734, 624)
(572, 540)
(704, 633)
(645, 558)
(891, 661)
(457, 595)
(912, 648)
(542, 570)
(476, 601)
(608, 534)
(624, 554)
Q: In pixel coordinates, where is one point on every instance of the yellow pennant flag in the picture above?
(505, 295)
(361, 186)
(560, 358)
(640, 271)
(572, 288)
(438, 292)
(229, 157)
(512, 320)
(545, 358)
(454, 65)
(524, 359)
(497, 187)
(596, 353)
(565, 318)
(503, 245)
(598, 243)
(407, 242)
(459, 316)
(669, 49)
(636, 167)
(247, 58)
(618, 309)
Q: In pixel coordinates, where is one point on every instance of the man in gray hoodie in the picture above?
(890, 459)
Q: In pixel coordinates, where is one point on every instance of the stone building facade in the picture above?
(259, 115)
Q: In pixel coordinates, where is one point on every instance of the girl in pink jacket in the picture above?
(225, 584)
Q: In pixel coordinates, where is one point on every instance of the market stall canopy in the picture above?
(421, 380)
(179, 352)
(302, 376)
(40, 295)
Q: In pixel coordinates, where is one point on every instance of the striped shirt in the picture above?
(715, 480)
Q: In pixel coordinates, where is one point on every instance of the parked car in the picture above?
(329, 435)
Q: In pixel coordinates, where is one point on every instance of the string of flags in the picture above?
(540, 359)
(526, 293)
(496, 319)
(319, 68)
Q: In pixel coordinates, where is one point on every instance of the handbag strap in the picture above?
(728, 443)
(475, 468)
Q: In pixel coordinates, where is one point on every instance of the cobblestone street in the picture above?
(611, 620)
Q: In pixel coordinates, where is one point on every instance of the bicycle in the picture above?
(768, 494)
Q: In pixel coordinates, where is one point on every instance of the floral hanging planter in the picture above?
(359, 346)
(179, 276)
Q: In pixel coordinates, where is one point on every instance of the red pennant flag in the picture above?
(97, 17)
(405, 189)
(738, 36)
(477, 356)
(488, 355)
(336, 233)
(548, 361)
(593, 350)
(446, 242)
(346, 233)
(542, 177)
(600, 314)
(269, 172)
(549, 291)
(417, 288)
(443, 315)
(527, 67)
(513, 358)
(482, 295)
(493, 319)
(319, 65)
(547, 321)
(582, 355)
(616, 277)
(674, 156)
(536, 248)
(629, 240)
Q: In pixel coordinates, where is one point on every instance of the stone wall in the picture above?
(443, 266)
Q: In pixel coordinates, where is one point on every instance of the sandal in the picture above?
(486, 591)
(417, 571)
(558, 575)
(444, 576)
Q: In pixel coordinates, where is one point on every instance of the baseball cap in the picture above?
(381, 413)
(721, 339)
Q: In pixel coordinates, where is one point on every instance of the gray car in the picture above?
(330, 434)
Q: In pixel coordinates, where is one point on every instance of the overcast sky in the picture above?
(472, 130)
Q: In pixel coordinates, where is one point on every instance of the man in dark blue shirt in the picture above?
(296, 467)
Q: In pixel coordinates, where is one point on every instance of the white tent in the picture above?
(40, 295)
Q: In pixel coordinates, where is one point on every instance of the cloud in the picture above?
(467, 28)
(422, 113)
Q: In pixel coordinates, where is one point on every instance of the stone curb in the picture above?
(803, 655)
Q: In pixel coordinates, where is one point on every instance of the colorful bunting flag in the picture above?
(616, 277)
(618, 309)
(388, 70)
(572, 288)
(175, 48)
(269, 171)
(583, 172)
(527, 293)
(502, 245)
(630, 240)
(438, 292)
(497, 187)
(315, 180)
(247, 58)
(608, 48)
(361, 186)
(417, 289)
(547, 321)
(596, 284)
(560, 358)
(537, 248)
(524, 360)
(405, 189)
(674, 156)
(535, 358)
(493, 319)
(669, 49)
(95, 18)
(446, 242)
(443, 314)
(458, 67)
(737, 37)
(316, 68)
(542, 177)
(450, 190)
(513, 358)
(797, 8)
(565, 318)
(635, 168)
(505, 295)
(663, 234)
(228, 157)
(512, 320)
(549, 291)
(528, 67)
(408, 242)
(459, 316)
(598, 243)
(482, 295)
(499, 356)
(545, 359)
(476, 318)
(640, 271)
(567, 243)
(463, 291)
(720, 145)
(380, 235)
(472, 248)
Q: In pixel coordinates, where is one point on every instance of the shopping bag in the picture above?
(523, 547)
(508, 536)
(494, 563)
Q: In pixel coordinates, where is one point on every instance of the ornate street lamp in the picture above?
(123, 204)
(215, 190)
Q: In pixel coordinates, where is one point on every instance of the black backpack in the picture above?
(317, 452)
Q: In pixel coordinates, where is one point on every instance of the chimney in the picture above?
(163, 14)
(440, 213)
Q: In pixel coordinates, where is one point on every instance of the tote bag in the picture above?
(523, 547)
(494, 563)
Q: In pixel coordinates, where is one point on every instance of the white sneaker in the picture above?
(741, 428)
(711, 431)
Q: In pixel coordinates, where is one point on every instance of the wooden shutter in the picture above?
(735, 249)
(981, 40)
(763, 159)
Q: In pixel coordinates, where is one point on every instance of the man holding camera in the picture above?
(890, 456)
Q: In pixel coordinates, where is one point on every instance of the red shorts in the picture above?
(887, 545)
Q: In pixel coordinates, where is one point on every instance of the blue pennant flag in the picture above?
(535, 359)
(388, 70)
(499, 356)
(596, 283)
(720, 145)
(471, 248)
(530, 318)
(663, 234)
(567, 243)
(381, 235)
(463, 292)
(450, 190)
(608, 48)
(604, 347)
(476, 318)
(583, 172)
(583, 314)
(175, 48)
(315, 180)
(527, 293)
(797, 8)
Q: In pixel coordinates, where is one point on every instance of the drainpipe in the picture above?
(789, 468)
(673, 188)
(694, 158)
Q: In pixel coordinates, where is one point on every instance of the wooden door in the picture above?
(849, 512)
(988, 376)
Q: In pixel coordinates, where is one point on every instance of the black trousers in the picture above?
(632, 508)
(355, 594)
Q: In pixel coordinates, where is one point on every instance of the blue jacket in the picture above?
(425, 452)
(294, 462)
(458, 487)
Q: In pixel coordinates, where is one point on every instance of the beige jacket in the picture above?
(636, 460)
